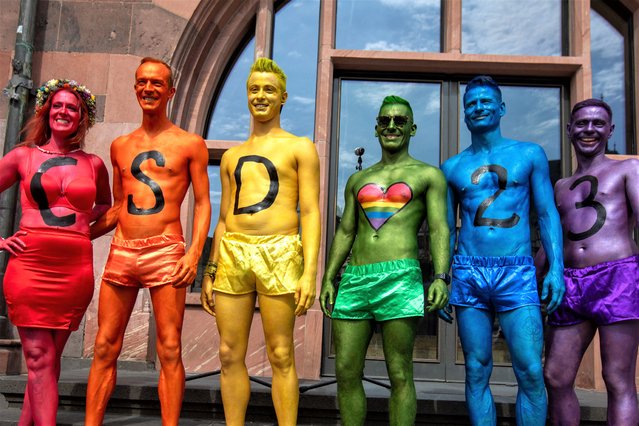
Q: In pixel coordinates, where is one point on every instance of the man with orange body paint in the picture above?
(152, 169)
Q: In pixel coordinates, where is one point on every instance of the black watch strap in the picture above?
(444, 277)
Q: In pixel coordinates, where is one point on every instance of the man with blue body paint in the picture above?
(492, 182)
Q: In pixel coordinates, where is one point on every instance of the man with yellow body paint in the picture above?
(257, 250)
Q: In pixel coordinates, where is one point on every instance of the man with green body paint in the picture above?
(385, 206)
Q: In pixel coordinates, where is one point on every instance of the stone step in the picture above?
(135, 401)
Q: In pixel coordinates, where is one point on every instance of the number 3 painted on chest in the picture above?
(589, 201)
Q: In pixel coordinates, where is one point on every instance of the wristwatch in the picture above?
(444, 277)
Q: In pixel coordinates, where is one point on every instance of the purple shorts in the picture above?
(604, 294)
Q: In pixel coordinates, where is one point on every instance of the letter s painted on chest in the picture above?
(139, 175)
(40, 196)
(273, 189)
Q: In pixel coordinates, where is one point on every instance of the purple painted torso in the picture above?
(598, 212)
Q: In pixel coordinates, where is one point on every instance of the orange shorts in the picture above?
(144, 262)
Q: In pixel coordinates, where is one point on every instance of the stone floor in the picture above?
(134, 401)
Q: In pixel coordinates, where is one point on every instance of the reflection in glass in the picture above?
(608, 75)
(230, 119)
(533, 114)
(359, 105)
(215, 194)
(399, 25)
(295, 43)
(507, 27)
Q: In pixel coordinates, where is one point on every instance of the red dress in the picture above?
(50, 283)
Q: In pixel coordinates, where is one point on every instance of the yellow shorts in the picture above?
(144, 262)
(267, 264)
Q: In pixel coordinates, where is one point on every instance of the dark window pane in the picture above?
(533, 114)
(609, 76)
(295, 44)
(389, 25)
(230, 119)
(510, 27)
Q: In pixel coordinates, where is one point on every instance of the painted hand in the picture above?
(206, 296)
(14, 244)
(327, 297)
(553, 290)
(304, 294)
(437, 295)
(446, 314)
(185, 270)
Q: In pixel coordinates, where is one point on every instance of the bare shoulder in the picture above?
(629, 164)
(19, 152)
(424, 169)
(530, 148)
(123, 141)
(449, 165)
(301, 143)
(303, 149)
(16, 156)
(181, 136)
(95, 160)
(561, 184)
(230, 154)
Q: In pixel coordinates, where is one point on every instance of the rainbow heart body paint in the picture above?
(380, 205)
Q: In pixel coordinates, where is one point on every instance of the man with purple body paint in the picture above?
(599, 208)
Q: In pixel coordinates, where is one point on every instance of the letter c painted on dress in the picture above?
(269, 199)
(40, 196)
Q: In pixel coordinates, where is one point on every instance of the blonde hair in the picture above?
(269, 65)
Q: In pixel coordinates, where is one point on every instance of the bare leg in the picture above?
(42, 349)
(234, 314)
(565, 347)
(475, 332)
(168, 307)
(618, 357)
(398, 340)
(278, 321)
(60, 338)
(523, 330)
(114, 310)
(351, 339)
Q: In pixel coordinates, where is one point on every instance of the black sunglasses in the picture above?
(385, 120)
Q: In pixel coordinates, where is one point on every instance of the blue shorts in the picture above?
(380, 291)
(496, 284)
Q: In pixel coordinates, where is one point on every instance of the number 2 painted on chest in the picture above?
(502, 181)
(589, 201)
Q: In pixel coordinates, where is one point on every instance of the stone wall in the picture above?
(99, 43)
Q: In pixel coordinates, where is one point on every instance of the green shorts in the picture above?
(381, 291)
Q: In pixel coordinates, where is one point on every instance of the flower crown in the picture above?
(54, 85)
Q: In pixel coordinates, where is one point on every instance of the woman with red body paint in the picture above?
(49, 279)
